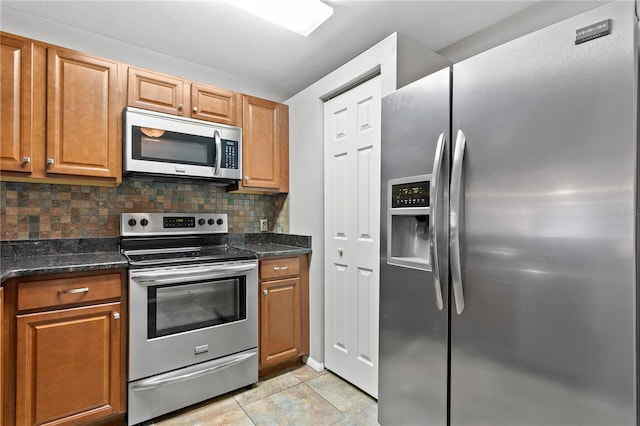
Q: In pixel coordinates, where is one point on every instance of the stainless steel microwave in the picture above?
(167, 145)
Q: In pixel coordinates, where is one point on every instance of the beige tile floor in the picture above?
(297, 396)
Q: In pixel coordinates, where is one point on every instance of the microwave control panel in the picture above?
(230, 155)
(412, 194)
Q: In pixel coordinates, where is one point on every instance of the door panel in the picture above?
(15, 112)
(352, 176)
(368, 325)
(52, 380)
(261, 148)
(547, 335)
(413, 331)
(83, 117)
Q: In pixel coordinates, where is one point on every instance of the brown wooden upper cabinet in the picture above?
(15, 114)
(265, 146)
(60, 114)
(83, 115)
(172, 95)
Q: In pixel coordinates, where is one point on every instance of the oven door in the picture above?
(184, 315)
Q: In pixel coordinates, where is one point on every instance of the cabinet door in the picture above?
(83, 117)
(214, 104)
(265, 150)
(280, 310)
(69, 365)
(156, 92)
(15, 113)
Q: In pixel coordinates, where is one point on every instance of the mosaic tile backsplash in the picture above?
(31, 211)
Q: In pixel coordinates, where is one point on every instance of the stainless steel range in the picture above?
(193, 321)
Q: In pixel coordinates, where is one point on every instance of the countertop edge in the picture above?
(18, 268)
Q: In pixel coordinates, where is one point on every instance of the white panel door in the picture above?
(352, 243)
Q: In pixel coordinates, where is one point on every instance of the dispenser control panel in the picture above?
(412, 194)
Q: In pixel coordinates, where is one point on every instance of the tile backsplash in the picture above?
(46, 211)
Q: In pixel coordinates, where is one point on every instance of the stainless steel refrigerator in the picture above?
(509, 241)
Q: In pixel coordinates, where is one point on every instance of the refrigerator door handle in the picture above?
(454, 215)
(433, 218)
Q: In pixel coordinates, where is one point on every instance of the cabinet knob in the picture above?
(26, 160)
(50, 161)
(116, 315)
(195, 109)
(265, 292)
(246, 179)
(180, 107)
(340, 251)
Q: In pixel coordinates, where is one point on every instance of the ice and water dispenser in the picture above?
(408, 222)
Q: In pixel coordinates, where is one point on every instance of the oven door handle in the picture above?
(190, 274)
(192, 372)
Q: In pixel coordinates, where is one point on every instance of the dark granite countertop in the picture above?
(272, 249)
(59, 263)
(268, 244)
(37, 257)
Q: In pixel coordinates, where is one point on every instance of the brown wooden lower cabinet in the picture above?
(284, 309)
(69, 335)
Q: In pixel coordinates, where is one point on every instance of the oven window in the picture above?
(177, 308)
(171, 147)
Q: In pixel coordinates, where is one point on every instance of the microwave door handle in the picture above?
(216, 136)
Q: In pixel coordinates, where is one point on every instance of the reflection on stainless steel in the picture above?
(413, 330)
(544, 230)
(152, 133)
(548, 329)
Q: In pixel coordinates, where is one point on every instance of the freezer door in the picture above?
(547, 228)
(413, 306)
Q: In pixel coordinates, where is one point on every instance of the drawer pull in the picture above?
(74, 291)
(280, 268)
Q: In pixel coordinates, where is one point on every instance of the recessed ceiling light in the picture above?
(300, 16)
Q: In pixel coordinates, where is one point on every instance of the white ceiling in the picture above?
(219, 36)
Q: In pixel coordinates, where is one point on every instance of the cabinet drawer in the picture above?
(279, 268)
(65, 291)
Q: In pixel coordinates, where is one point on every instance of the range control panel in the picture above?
(139, 224)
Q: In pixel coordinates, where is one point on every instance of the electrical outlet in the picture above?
(264, 225)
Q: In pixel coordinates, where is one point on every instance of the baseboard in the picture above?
(318, 366)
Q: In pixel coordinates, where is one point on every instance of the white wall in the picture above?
(306, 150)
(31, 26)
(533, 18)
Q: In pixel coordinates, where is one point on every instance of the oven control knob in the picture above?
(201, 222)
(132, 222)
(211, 222)
(220, 221)
(144, 222)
